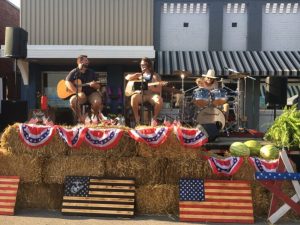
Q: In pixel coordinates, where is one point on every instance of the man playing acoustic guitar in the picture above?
(152, 95)
(82, 81)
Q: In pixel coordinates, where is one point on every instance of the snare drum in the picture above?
(219, 97)
(201, 97)
(211, 115)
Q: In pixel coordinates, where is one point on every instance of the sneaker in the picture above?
(153, 123)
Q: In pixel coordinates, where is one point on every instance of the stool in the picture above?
(148, 112)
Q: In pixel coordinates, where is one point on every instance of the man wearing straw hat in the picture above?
(209, 82)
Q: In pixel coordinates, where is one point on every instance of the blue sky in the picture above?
(16, 2)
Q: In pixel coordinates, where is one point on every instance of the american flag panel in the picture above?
(8, 194)
(215, 201)
(99, 196)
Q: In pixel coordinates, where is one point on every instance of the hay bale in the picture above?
(56, 169)
(246, 171)
(125, 148)
(39, 196)
(170, 149)
(157, 199)
(28, 167)
(188, 168)
(14, 145)
(144, 170)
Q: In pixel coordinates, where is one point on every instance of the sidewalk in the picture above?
(39, 217)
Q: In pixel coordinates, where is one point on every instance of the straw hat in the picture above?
(210, 74)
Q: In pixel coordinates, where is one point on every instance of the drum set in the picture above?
(222, 106)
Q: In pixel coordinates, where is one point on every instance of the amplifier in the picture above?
(170, 114)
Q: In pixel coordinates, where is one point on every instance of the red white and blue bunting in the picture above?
(227, 166)
(152, 136)
(262, 165)
(192, 138)
(103, 139)
(72, 137)
(36, 135)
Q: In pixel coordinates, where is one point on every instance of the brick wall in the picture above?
(9, 16)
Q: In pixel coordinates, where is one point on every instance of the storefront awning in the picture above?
(256, 63)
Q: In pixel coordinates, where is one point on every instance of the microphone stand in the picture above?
(142, 103)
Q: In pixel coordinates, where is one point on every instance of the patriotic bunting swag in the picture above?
(227, 167)
(153, 136)
(262, 165)
(36, 135)
(191, 138)
(72, 137)
(103, 139)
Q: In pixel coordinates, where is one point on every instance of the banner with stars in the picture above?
(36, 135)
(190, 137)
(262, 165)
(103, 139)
(72, 137)
(152, 136)
(227, 166)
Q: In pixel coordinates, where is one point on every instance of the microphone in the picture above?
(231, 70)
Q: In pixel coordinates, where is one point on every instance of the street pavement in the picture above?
(42, 217)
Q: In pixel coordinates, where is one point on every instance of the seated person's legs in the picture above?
(226, 111)
(96, 101)
(157, 101)
(135, 100)
(75, 104)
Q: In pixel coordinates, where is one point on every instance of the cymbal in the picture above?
(185, 73)
(171, 90)
(237, 75)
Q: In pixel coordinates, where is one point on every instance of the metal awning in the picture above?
(256, 63)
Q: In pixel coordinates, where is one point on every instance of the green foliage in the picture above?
(285, 131)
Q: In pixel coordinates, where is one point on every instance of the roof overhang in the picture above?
(255, 63)
(93, 51)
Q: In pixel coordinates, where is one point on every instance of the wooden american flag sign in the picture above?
(8, 194)
(215, 201)
(99, 196)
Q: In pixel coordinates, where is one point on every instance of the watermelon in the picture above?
(269, 152)
(254, 147)
(239, 149)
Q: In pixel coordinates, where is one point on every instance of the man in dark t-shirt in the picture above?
(85, 79)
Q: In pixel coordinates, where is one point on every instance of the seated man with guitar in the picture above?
(82, 80)
(151, 95)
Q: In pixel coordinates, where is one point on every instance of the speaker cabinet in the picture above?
(276, 91)
(64, 116)
(15, 42)
(13, 111)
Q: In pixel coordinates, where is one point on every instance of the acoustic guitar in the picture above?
(63, 92)
(132, 86)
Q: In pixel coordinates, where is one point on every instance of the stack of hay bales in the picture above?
(157, 171)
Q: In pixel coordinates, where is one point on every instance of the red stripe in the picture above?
(229, 200)
(227, 194)
(6, 213)
(7, 200)
(9, 182)
(227, 181)
(215, 207)
(8, 188)
(10, 177)
(215, 220)
(8, 194)
(227, 188)
(215, 213)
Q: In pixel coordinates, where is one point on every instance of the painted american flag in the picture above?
(114, 197)
(215, 201)
(8, 194)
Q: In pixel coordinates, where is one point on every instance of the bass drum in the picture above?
(211, 115)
